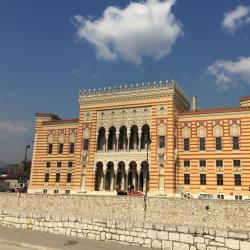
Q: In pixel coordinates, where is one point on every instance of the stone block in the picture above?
(174, 236)
(187, 238)
(152, 234)
(182, 229)
(180, 246)
(238, 235)
(162, 235)
(232, 244)
(138, 240)
(198, 239)
(129, 239)
(167, 245)
(244, 245)
(156, 244)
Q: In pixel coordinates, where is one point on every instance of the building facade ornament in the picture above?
(217, 131)
(61, 138)
(186, 132)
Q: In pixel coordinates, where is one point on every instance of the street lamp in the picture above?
(25, 163)
(148, 142)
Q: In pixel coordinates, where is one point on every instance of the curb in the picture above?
(27, 245)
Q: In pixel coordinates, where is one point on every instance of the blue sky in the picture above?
(48, 51)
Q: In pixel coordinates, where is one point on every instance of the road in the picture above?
(9, 247)
(12, 239)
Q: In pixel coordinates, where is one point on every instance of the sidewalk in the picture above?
(45, 241)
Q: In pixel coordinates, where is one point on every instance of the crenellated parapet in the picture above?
(128, 93)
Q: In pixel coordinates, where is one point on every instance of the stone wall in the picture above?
(162, 223)
(145, 234)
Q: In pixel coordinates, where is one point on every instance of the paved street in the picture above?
(14, 239)
(10, 247)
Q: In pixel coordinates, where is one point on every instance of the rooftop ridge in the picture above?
(134, 87)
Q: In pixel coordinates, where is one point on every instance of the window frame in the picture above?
(86, 144)
(162, 141)
(50, 149)
(186, 179)
(186, 165)
(218, 145)
(203, 181)
(202, 143)
(236, 145)
(237, 180)
(58, 177)
(186, 144)
(46, 177)
(72, 148)
(60, 148)
(219, 165)
(220, 181)
(69, 177)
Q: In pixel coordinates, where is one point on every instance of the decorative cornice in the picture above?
(245, 98)
(65, 121)
(214, 110)
(49, 115)
(128, 93)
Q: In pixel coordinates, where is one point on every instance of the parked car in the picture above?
(206, 196)
(188, 195)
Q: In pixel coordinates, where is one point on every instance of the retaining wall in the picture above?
(172, 224)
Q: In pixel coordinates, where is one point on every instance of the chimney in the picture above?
(194, 107)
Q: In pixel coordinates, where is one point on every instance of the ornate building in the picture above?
(191, 151)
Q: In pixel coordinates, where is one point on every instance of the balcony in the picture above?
(122, 155)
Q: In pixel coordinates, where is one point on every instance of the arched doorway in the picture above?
(133, 176)
(109, 177)
(99, 176)
(122, 138)
(145, 136)
(112, 138)
(101, 139)
(143, 176)
(121, 176)
(134, 137)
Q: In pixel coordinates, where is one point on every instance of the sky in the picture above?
(49, 50)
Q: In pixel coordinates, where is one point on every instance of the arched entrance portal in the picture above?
(99, 176)
(133, 176)
(109, 177)
(121, 176)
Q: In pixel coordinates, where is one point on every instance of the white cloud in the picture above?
(230, 73)
(19, 127)
(142, 29)
(236, 18)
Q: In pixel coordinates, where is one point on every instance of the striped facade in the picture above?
(108, 147)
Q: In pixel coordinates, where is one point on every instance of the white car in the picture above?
(206, 196)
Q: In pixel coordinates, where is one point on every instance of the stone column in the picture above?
(122, 180)
(134, 179)
(140, 135)
(126, 172)
(128, 141)
(144, 181)
(106, 141)
(117, 141)
(104, 179)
